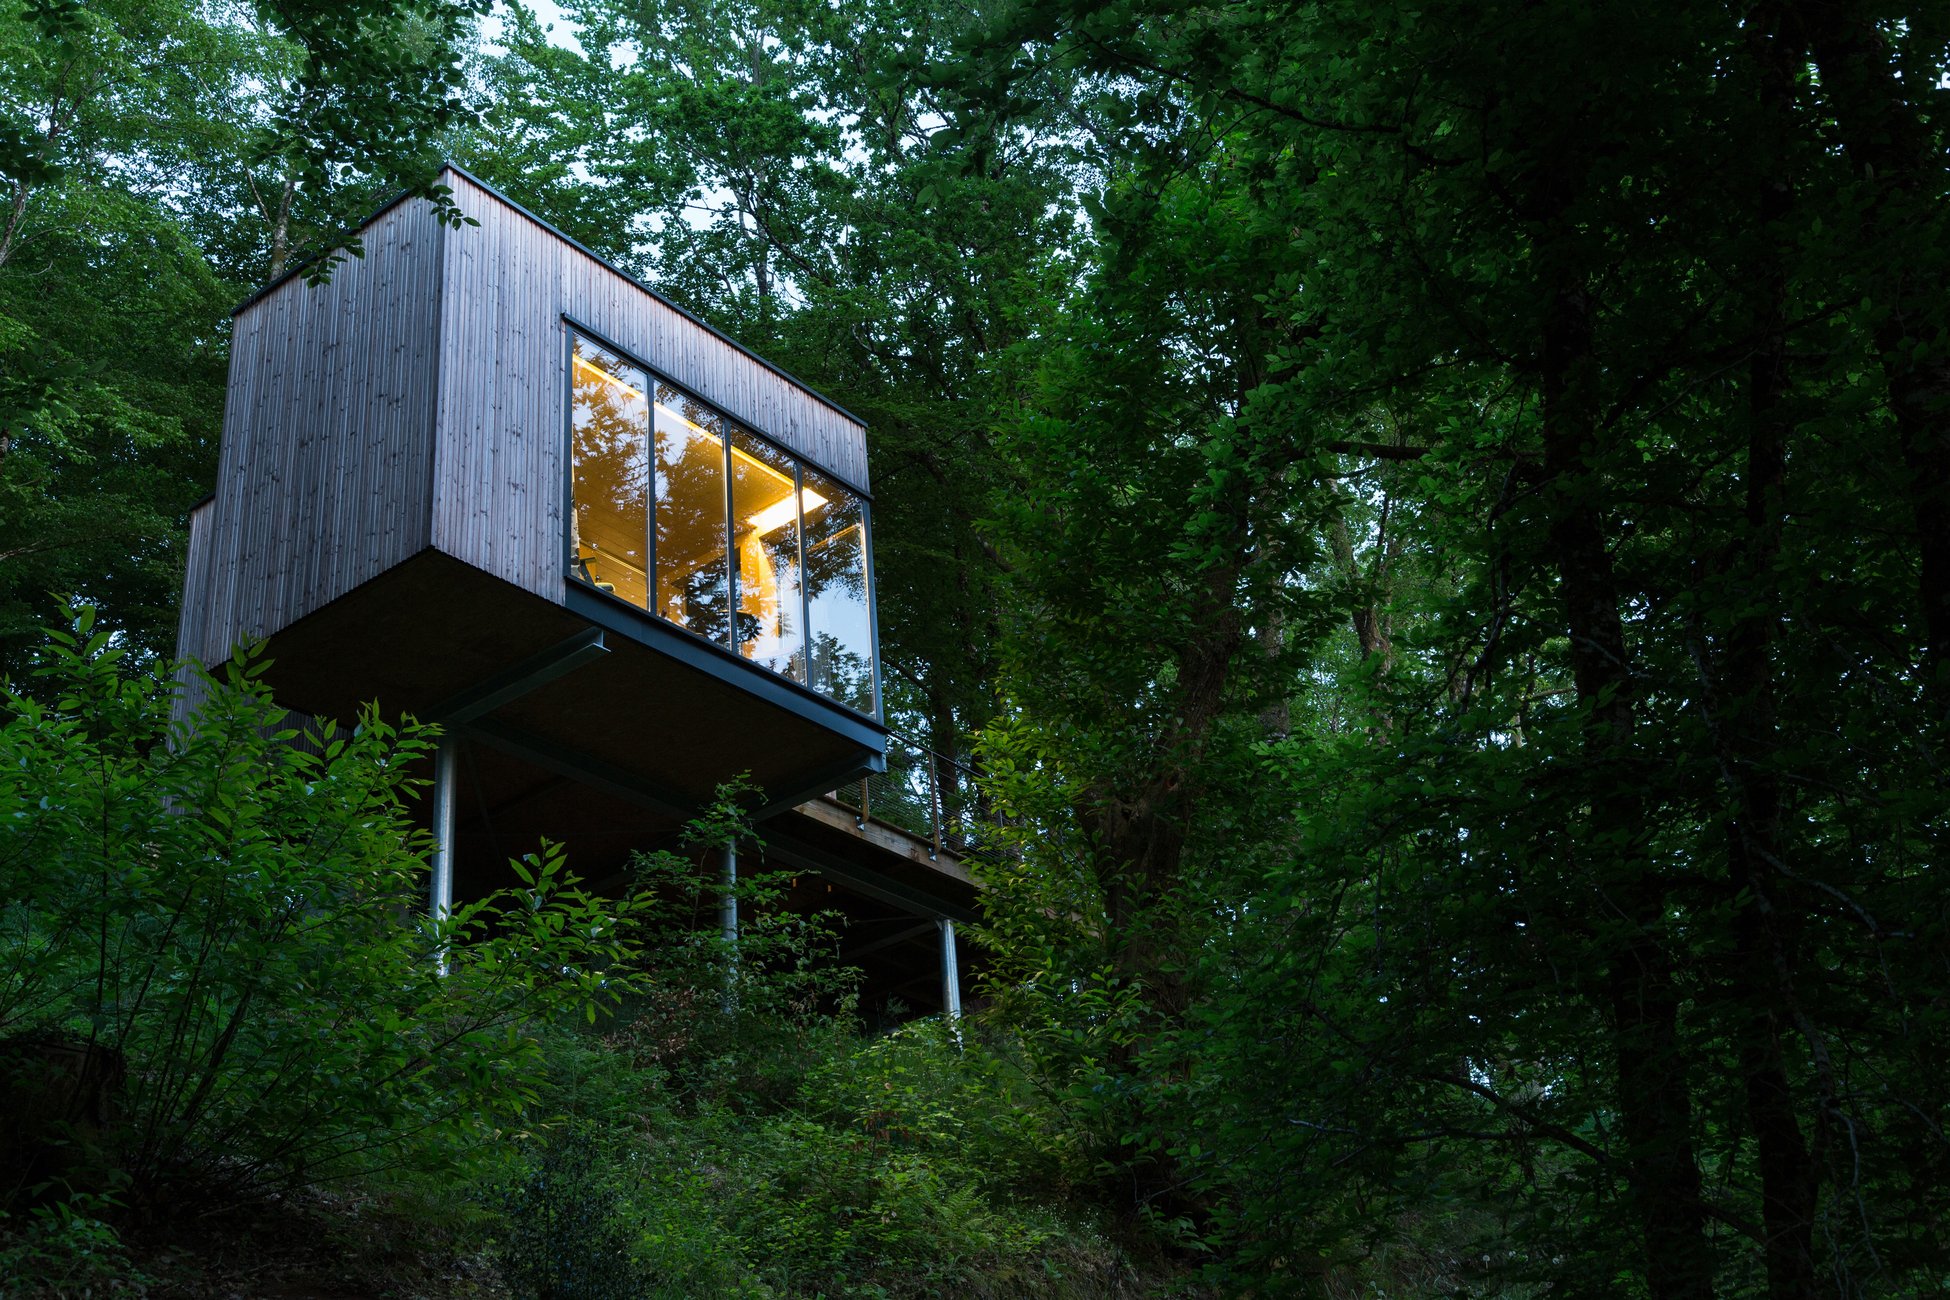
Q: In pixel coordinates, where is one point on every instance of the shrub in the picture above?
(955, 1095)
(232, 924)
(65, 1246)
(568, 1236)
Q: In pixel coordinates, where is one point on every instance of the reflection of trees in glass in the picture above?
(693, 581)
(648, 455)
(611, 472)
(842, 673)
(836, 589)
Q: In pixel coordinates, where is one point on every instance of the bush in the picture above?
(230, 926)
(568, 1236)
(216, 975)
(65, 1246)
(913, 1164)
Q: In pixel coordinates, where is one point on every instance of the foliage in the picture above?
(1514, 911)
(68, 1246)
(566, 1237)
(221, 910)
(1437, 513)
(732, 1133)
(157, 159)
(911, 1165)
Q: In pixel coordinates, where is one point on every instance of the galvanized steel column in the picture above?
(950, 972)
(728, 917)
(440, 900)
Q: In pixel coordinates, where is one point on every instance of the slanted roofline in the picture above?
(296, 271)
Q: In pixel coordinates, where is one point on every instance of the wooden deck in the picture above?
(888, 839)
(894, 891)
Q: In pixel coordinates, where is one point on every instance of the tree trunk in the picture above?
(1654, 1100)
(1745, 722)
(281, 228)
(1143, 833)
(16, 216)
(1884, 133)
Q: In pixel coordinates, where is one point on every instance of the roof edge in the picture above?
(279, 282)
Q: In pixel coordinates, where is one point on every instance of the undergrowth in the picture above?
(234, 1062)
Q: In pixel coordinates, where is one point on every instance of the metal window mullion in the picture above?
(805, 578)
(873, 597)
(650, 496)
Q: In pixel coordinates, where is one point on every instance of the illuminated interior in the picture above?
(611, 472)
(680, 511)
(765, 507)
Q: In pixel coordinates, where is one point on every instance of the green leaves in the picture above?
(231, 914)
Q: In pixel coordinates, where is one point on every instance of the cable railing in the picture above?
(930, 796)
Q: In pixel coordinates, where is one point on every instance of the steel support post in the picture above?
(440, 895)
(728, 893)
(728, 917)
(950, 972)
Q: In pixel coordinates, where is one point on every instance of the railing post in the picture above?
(863, 801)
(934, 804)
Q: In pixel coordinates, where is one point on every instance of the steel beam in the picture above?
(580, 767)
(881, 945)
(863, 880)
(565, 656)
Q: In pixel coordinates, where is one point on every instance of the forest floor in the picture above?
(323, 1247)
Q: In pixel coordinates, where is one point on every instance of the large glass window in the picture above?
(682, 512)
(693, 573)
(611, 470)
(837, 592)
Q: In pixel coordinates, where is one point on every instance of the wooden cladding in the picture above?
(418, 400)
(324, 480)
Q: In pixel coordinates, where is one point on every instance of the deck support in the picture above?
(728, 893)
(950, 972)
(440, 900)
(728, 915)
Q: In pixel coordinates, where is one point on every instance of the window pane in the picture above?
(765, 556)
(693, 578)
(836, 584)
(609, 417)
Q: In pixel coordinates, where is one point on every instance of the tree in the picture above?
(1580, 258)
(156, 160)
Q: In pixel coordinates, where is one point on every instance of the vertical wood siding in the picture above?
(195, 611)
(500, 472)
(418, 400)
(325, 476)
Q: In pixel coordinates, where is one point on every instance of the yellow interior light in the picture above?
(780, 512)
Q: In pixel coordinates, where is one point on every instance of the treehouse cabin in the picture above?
(483, 478)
